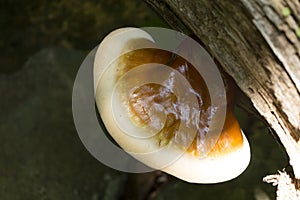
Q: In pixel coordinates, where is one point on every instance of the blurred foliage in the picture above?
(29, 25)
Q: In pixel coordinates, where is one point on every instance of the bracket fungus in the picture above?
(157, 106)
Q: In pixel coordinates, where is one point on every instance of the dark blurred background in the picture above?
(28, 26)
(42, 46)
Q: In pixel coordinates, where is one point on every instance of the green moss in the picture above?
(286, 11)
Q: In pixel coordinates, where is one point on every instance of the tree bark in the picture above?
(257, 42)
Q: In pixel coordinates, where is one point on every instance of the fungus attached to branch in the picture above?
(157, 107)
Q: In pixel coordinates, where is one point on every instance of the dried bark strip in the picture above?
(284, 183)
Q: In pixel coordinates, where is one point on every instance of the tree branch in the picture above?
(256, 42)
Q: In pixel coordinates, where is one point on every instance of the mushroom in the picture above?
(157, 107)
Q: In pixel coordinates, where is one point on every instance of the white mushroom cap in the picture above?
(112, 96)
(211, 169)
